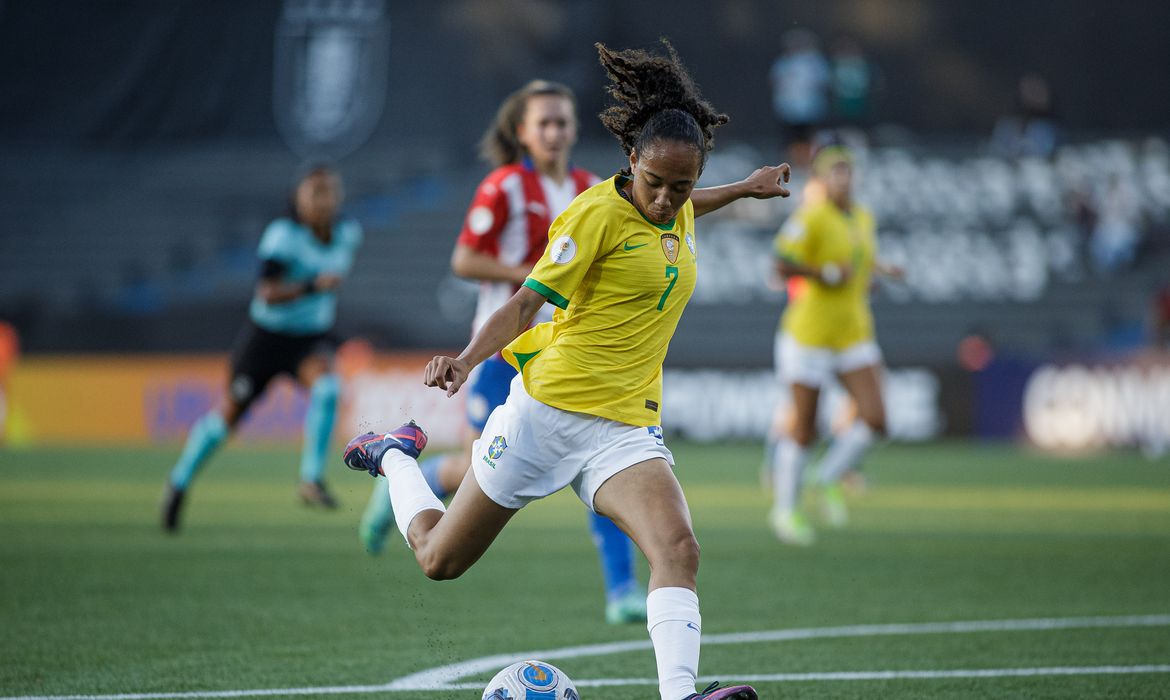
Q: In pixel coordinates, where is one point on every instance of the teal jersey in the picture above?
(303, 257)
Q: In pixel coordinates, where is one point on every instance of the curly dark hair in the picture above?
(499, 145)
(657, 99)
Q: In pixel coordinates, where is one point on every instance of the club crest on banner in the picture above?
(330, 74)
(669, 246)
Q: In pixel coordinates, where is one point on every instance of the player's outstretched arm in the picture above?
(501, 328)
(765, 183)
(829, 274)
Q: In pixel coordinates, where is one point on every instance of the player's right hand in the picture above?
(447, 373)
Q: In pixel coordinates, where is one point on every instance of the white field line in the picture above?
(441, 676)
(445, 677)
(875, 675)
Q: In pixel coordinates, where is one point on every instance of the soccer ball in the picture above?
(530, 680)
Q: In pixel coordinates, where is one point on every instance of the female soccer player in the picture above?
(585, 409)
(304, 258)
(827, 332)
(504, 233)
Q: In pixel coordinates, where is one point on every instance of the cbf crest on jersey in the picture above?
(331, 67)
(669, 243)
(495, 450)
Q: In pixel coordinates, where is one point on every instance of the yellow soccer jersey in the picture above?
(823, 316)
(620, 284)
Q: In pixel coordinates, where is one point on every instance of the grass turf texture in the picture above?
(260, 592)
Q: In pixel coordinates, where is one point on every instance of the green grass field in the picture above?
(259, 593)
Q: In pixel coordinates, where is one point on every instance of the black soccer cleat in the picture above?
(314, 493)
(172, 505)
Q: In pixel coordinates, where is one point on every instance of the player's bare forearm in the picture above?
(273, 292)
(502, 327)
(708, 199)
(474, 265)
(764, 183)
(829, 274)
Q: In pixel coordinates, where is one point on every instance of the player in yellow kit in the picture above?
(829, 245)
(585, 409)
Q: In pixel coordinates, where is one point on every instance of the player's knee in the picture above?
(803, 435)
(681, 553)
(440, 567)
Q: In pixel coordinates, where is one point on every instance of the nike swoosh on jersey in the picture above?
(629, 247)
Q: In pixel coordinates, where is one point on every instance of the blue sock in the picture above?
(430, 471)
(319, 426)
(616, 552)
(206, 435)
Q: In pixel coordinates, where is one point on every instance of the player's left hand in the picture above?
(768, 182)
(447, 373)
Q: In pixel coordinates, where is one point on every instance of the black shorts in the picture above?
(259, 355)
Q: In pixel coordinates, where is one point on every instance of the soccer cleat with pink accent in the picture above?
(364, 452)
(733, 692)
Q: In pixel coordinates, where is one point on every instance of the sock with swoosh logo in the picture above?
(672, 617)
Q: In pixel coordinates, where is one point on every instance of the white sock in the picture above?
(409, 493)
(845, 451)
(787, 470)
(672, 617)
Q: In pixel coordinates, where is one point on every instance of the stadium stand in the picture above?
(998, 241)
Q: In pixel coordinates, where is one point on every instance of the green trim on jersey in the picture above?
(546, 292)
(522, 358)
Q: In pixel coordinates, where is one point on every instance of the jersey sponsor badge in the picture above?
(690, 239)
(563, 250)
(480, 220)
(669, 247)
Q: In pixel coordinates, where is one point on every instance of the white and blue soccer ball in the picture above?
(530, 680)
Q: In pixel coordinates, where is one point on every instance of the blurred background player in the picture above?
(304, 258)
(829, 244)
(801, 83)
(504, 234)
(586, 410)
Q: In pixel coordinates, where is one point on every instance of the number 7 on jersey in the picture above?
(672, 274)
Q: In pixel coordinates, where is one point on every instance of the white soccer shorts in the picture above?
(817, 367)
(529, 450)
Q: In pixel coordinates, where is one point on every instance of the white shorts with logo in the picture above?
(529, 450)
(817, 367)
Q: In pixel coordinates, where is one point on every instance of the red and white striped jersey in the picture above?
(509, 219)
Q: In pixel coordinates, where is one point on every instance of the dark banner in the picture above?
(142, 71)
